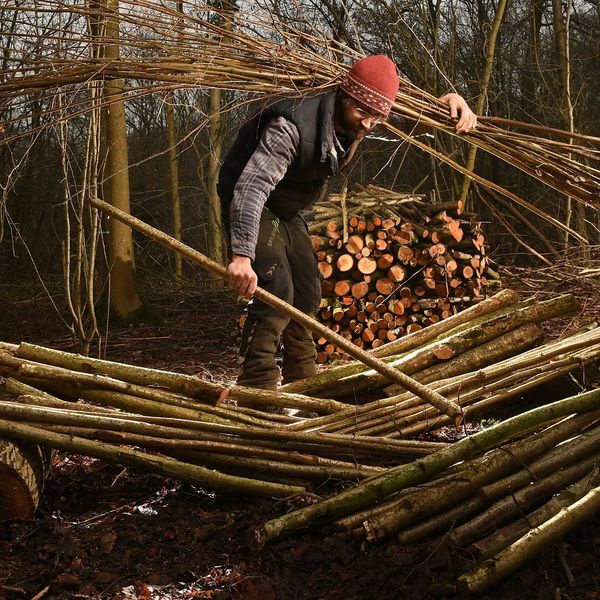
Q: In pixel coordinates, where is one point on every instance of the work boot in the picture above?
(299, 353)
(257, 364)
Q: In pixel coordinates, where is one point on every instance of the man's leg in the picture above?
(299, 351)
(260, 337)
(264, 324)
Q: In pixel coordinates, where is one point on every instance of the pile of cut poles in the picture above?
(541, 461)
(472, 362)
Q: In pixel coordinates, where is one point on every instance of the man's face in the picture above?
(354, 119)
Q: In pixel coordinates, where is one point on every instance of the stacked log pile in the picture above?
(393, 263)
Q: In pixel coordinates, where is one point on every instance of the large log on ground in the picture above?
(391, 267)
(22, 472)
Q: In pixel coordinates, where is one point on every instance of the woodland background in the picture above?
(534, 61)
(151, 142)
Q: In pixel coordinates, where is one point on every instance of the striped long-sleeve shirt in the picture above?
(276, 150)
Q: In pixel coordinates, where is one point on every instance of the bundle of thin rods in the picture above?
(163, 49)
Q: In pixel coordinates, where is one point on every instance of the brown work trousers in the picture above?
(286, 267)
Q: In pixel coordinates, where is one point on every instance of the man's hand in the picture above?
(242, 277)
(459, 108)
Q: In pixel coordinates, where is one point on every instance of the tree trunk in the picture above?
(216, 243)
(490, 50)
(215, 237)
(174, 178)
(563, 52)
(531, 72)
(124, 298)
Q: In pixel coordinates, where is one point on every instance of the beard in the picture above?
(352, 130)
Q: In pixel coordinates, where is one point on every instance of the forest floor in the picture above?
(102, 531)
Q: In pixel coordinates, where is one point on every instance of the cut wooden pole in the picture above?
(530, 545)
(186, 429)
(503, 537)
(520, 501)
(445, 406)
(398, 478)
(447, 521)
(144, 461)
(190, 385)
(183, 448)
(496, 468)
(23, 468)
(407, 343)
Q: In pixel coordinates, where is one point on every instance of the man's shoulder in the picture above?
(295, 105)
(281, 127)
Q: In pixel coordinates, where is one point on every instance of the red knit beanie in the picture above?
(373, 81)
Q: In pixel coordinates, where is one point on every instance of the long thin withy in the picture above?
(424, 392)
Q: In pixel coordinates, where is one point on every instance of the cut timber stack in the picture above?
(392, 264)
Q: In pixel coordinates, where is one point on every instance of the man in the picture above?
(275, 168)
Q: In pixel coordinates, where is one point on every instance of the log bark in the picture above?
(530, 545)
(23, 469)
(379, 488)
(176, 382)
(199, 430)
(184, 449)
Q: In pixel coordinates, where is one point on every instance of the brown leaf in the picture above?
(142, 591)
(68, 579)
(107, 542)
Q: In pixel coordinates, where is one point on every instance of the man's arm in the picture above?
(458, 108)
(275, 152)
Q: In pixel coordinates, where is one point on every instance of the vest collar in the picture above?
(330, 146)
(326, 118)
